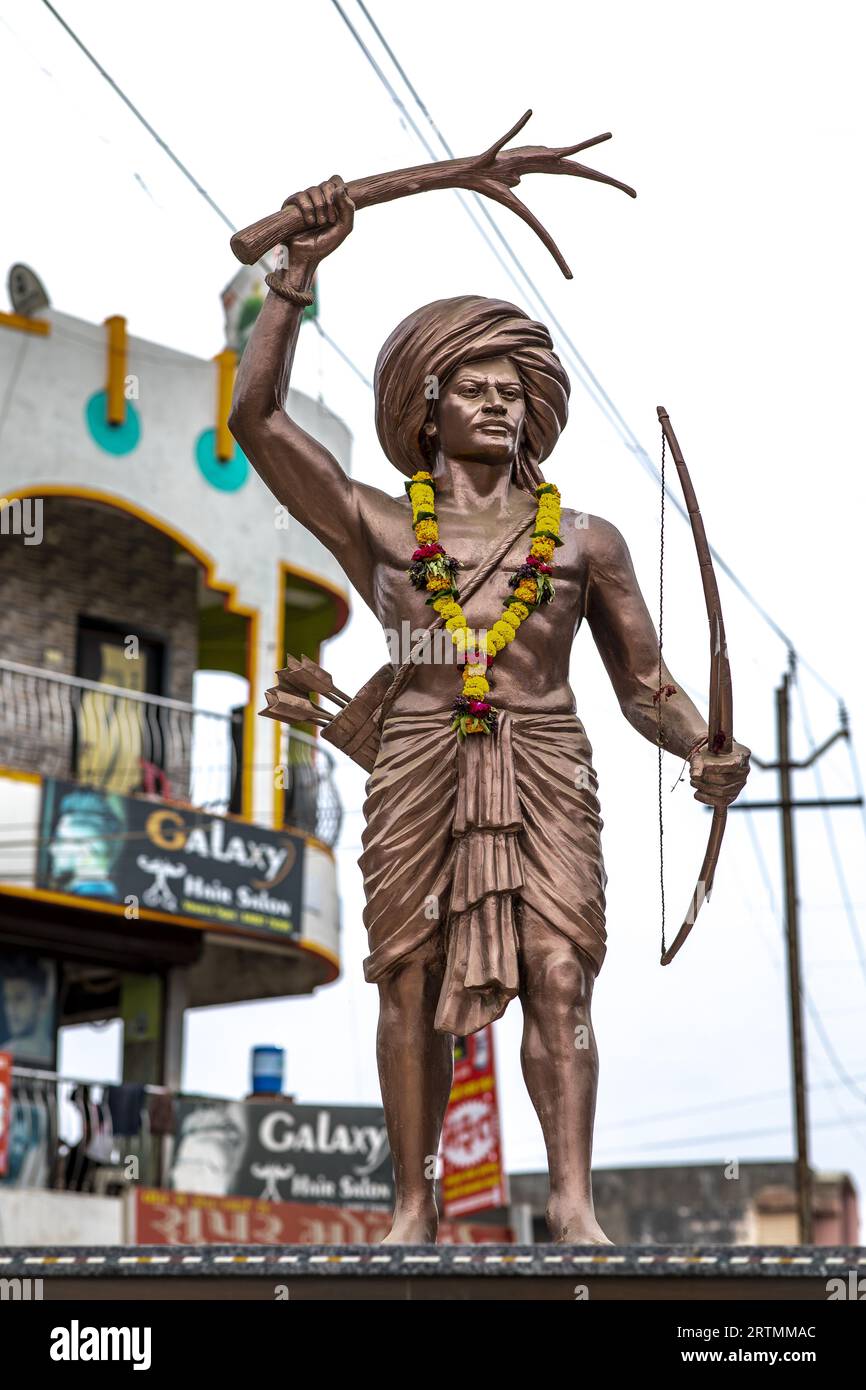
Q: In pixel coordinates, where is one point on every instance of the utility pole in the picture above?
(792, 932)
(785, 765)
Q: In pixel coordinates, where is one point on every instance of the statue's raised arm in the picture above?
(298, 469)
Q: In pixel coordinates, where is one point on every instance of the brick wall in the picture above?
(95, 562)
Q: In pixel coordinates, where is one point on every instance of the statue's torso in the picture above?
(531, 673)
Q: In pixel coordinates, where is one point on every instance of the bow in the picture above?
(720, 720)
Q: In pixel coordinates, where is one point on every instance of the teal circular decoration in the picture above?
(229, 474)
(114, 439)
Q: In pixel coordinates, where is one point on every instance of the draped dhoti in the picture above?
(462, 835)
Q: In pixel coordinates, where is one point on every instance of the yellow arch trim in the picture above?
(111, 499)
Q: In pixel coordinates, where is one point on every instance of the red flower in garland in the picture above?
(425, 551)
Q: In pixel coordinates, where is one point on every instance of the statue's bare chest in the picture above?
(471, 543)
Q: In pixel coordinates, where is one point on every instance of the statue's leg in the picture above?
(415, 1072)
(560, 1066)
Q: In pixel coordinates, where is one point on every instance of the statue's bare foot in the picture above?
(416, 1226)
(574, 1223)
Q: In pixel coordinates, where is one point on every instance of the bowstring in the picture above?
(659, 698)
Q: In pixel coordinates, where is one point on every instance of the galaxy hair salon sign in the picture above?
(276, 1151)
(169, 860)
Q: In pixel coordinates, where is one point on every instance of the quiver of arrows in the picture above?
(352, 727)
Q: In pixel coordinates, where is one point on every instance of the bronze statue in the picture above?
(482, 861)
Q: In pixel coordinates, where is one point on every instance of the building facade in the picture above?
(744, 1202)
(160, 847)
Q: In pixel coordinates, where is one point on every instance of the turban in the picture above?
(440, 337)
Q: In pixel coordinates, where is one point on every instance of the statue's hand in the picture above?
(718, 778)
(328, 212)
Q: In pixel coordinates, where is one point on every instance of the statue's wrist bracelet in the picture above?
(278, 281)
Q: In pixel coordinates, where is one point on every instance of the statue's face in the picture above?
(481, 412)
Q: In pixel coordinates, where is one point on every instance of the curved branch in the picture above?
(492, 174)
(501, 193)
(489, 155)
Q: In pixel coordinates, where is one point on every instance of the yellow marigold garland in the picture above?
(434, 570)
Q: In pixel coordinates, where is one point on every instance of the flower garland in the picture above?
(435, 571)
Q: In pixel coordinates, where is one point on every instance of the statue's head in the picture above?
(476, 378)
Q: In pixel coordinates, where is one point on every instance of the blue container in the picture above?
(268, 1064)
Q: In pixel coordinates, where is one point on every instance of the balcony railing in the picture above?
(127, 742)
(312, 802)
(117, 739)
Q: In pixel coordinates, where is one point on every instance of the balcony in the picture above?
(130, 743)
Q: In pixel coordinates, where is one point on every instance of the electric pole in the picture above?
(785, 765)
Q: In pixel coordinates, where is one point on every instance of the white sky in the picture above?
(731, 291)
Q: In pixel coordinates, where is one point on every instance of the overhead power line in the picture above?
(848, 906)
(154, 134)
(585, 374)
(845, 1077)
(728, 1103)
(602, 399)
(180, 165)
(722, 1141)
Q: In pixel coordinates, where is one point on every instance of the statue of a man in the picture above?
(482, 860)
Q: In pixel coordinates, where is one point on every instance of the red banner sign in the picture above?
(472, 1174)
(187, 1218)
(5, 1108)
